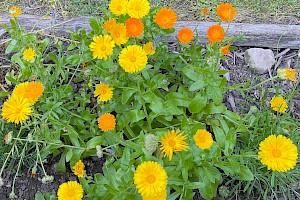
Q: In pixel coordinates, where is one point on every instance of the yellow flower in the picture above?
(119, 34)
(171, 142)
(29, 90)
(79, 169)
(133, 59)
(149, 48)
(278, 104)
(150, 179)
(102, 46)
(70, 190)
(289, 74)
(138, 8)
(203, 139)
(29, 54)
(16, 109)
(159, 196)
(15, 11)
(278, 153)
(118, 7)
(90, 84)
(103, 91)
(107, 122)
(109, 24)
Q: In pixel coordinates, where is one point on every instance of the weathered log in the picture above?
(258, 35)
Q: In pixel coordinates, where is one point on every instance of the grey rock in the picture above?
(260, 60)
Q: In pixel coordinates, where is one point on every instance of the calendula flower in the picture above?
(165, 18)
(32, 91)
(133, 59)
(107, 122)
(215, 33)
(109, 24)
(134, 27)
(79, 169)
(278, 153)
(103, 91)
(150, 179)
(70, 190)
(119, 34)
(16, 109)
(278, 104)
(149, 48)
(185, 35)
(204, 11)
(171, 142)
(15, 11)
(118, 7)
(203, 139)
(159, 196)
(102, 46)
(226, 12)
(138, 8)
(29, 54)
(225, 50)
(287, 73)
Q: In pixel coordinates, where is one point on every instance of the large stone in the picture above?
(260, 60)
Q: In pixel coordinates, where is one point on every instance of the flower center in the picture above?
(119, 8)
(132, 58)
(151, 179)
(137, 8)
(133, 28)
(117, 35)
(276, 153)
(165, 20)
(172, 143)
(103, 48)
(18, 111)
(201, 139)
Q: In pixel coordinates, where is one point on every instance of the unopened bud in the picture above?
(8, 137)
(1, 182)
(47, 179)
(223, 191)
(151, 143)
(99, 151)
(12, 195)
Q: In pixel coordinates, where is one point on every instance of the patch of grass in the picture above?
(280, 11)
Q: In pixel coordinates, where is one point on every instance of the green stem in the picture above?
(144, 108)
(261, 83)
(240, 156)
(39, 156)
(4, 164)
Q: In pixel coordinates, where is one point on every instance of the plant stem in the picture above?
(261, 83)
(144, 108)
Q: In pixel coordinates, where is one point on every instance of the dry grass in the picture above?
(278, 11)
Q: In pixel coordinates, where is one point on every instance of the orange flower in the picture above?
(225, 50)
(204, 11)
(215, 33)
(185, 35)
(226, 12)
(107, 122)
(135, 27)
(165, 18)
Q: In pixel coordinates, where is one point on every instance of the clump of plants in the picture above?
(155, 114)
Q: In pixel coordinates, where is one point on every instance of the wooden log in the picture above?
(256, 35)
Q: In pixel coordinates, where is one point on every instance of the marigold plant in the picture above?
(70, 190)
(185, 35)
(226, 12)
(107, 122)
(165, 18)
(278, 104)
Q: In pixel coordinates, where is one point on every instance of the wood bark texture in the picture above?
(256, 35)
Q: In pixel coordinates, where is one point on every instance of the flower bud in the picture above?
(151, 143)
(223, 191)
(99, 151)
(8, 137)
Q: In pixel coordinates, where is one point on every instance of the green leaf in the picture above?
(39, 196)
(125, 159)
(245, 173)
(11, 46)
(197, 104)
(61, 165)
(191, 74)
(95, 25)
(127, 93)
(69, 155)
(4, 94)
(197, 85)
(92, 143)
(220, 136)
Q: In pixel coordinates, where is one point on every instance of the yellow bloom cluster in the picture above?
(18, 107)
(79, 169)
